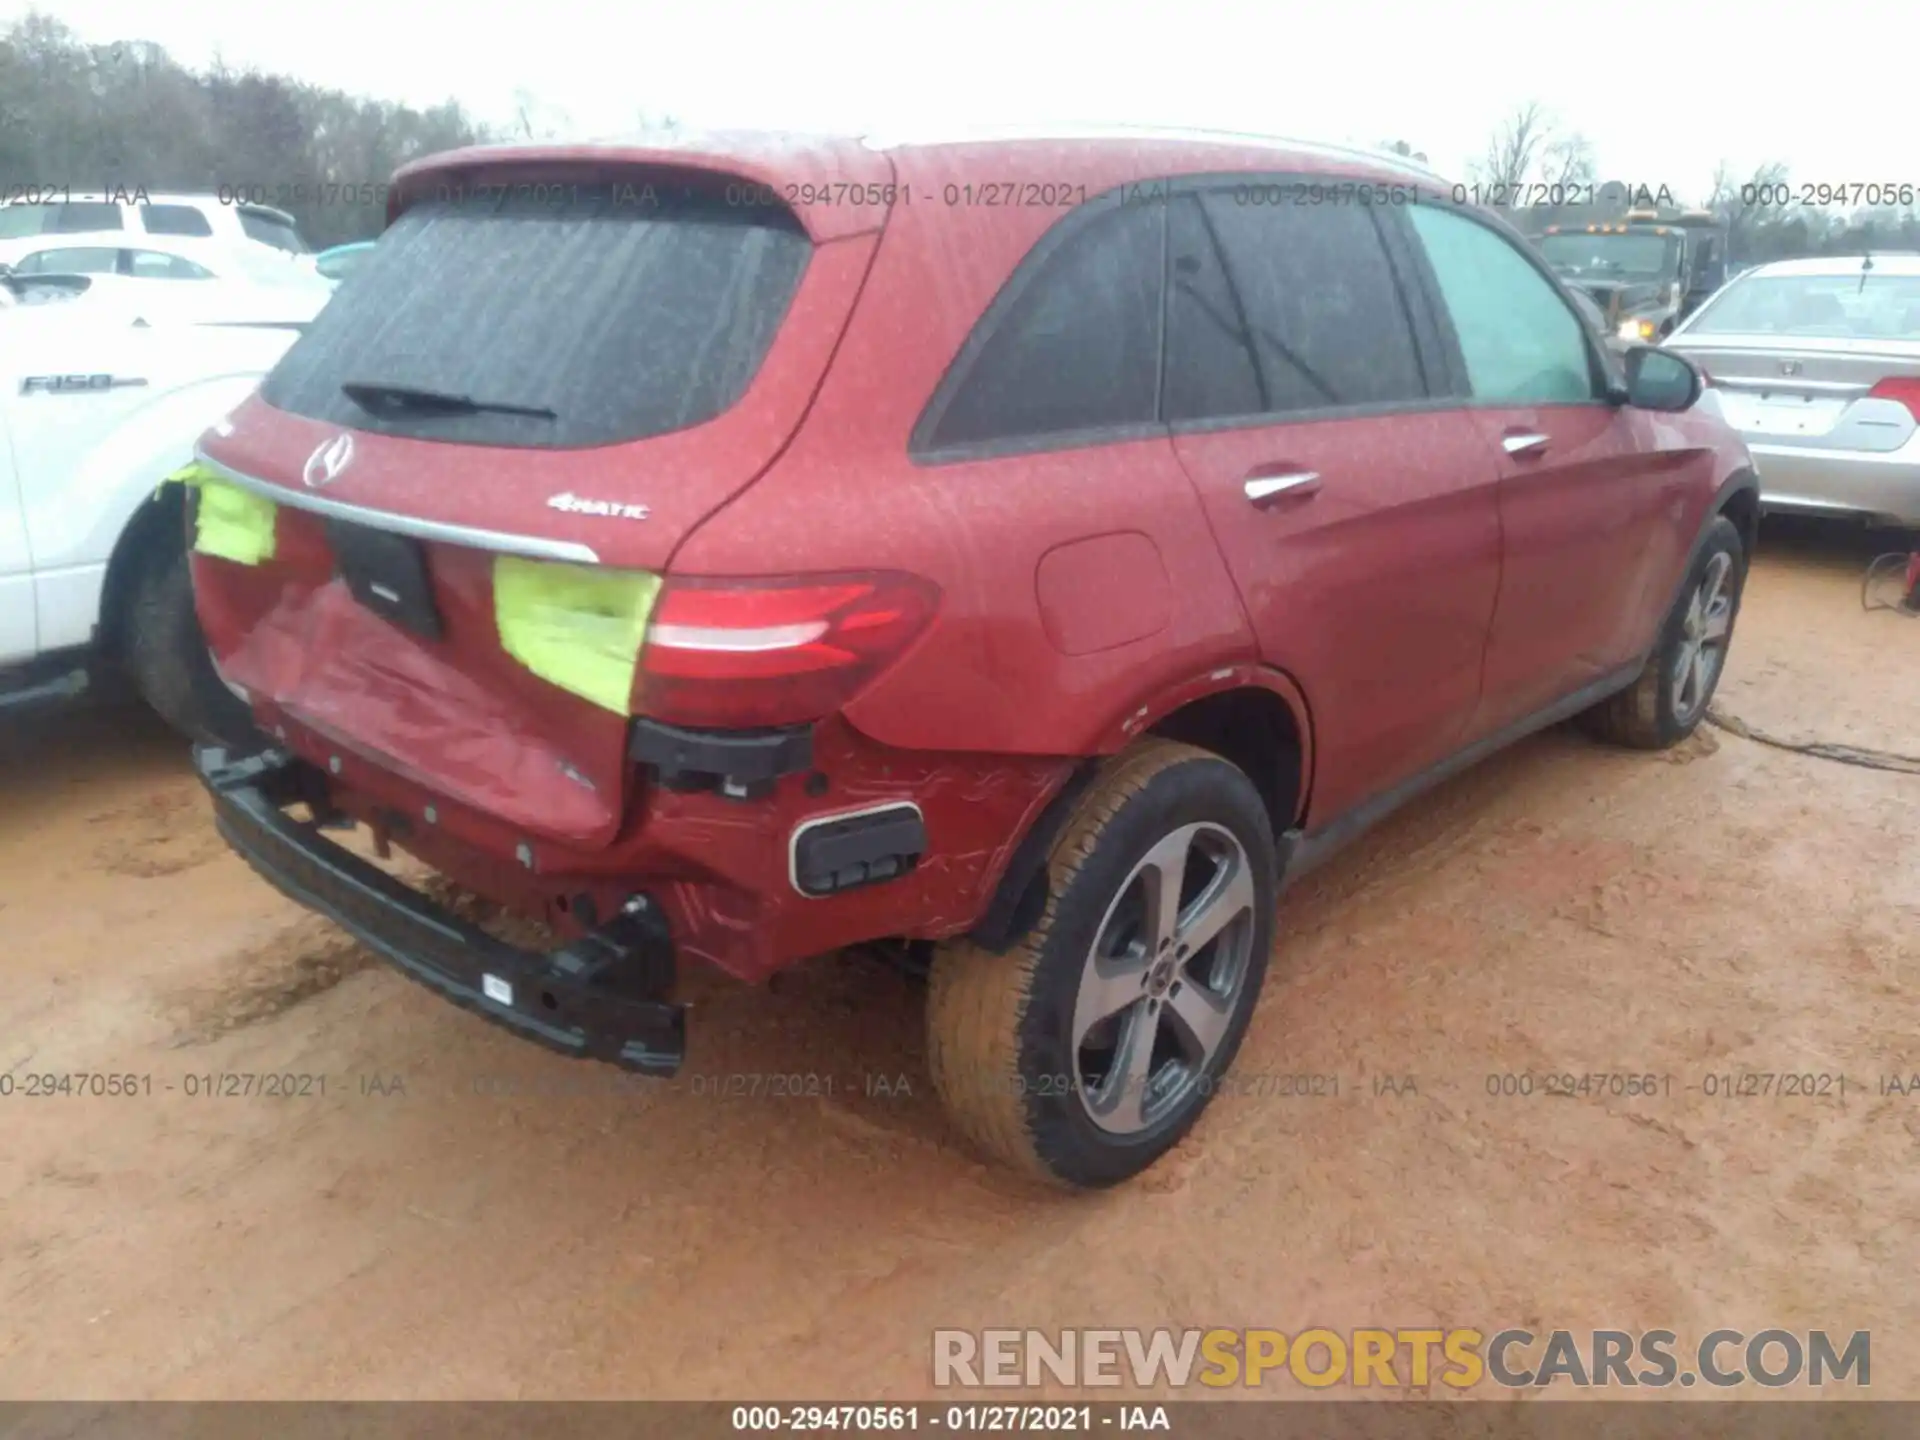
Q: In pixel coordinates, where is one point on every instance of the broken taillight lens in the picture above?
(744, 654)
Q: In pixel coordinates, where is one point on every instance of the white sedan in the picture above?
(1817, 363)
(156, 278)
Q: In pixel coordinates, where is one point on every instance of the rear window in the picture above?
(623, 318)
(269, 228)
(1816, 307)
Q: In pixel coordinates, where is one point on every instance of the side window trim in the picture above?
(1439, 350)
(1597, 371)
(920, 447)
(1436, 357)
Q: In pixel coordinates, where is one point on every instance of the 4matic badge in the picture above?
(612, 509)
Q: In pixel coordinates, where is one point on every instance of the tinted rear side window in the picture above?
(625, 319)
(79, 216)
(175, 220)
(1211, 372)
(1329, 325)
(1076, 346)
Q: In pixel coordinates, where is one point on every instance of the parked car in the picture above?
(1034, 552)
(335, 264)
(95, 414)
(185, 279)
(1817, 363)
(17, 290)
(122, 219)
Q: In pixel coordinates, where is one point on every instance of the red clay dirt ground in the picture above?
(1727, 907)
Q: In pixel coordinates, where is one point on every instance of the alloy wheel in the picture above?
(1164, 978)
(1703, 639)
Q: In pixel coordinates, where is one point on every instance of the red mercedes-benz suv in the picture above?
(1026, 553)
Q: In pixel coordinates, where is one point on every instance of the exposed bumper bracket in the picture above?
(741, 765)
(597, 998)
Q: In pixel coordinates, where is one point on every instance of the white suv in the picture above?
(95, 414)
(26, 223)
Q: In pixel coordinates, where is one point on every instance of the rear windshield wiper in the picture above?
(376, 397)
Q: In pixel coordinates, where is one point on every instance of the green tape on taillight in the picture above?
(575, 626)
(229, 522)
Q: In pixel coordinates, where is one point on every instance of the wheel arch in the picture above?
(150, 537)
(1739, 500)
(1250, 715)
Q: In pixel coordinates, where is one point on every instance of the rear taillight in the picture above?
(1904, 389)
(737, 654)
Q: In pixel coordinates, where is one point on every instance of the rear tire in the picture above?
(1089, 1049)
(166, 656)
(1670, 698)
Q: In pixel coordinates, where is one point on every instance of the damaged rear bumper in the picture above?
(599, 997)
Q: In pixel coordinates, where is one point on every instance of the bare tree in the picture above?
(1515, 147)
(539, 119)
(1744, 206)
(1566, 160)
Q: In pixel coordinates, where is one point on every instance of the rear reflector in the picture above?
(1904, 389)
(739, 654)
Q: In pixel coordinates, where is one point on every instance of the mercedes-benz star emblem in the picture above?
(325, 464)
(1789, 367)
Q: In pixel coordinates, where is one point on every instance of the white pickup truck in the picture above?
(97, 409)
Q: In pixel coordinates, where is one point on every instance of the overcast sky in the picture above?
(1820, 87)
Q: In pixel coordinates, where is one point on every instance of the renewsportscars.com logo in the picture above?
(1397, 1359)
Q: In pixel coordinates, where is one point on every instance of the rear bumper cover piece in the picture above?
(578, 1001)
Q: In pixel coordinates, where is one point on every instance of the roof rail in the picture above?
(881, 140)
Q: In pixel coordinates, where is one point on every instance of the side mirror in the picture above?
(1661, 380)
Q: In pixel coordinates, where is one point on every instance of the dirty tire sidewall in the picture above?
(1641, 716)
(169, 663)
(1000, 1026)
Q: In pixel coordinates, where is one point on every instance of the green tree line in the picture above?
(128, 116)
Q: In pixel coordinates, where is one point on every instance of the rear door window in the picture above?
(175, 220)
(608, 318)
(1282, 309)
(1072, 346)
(156, 265)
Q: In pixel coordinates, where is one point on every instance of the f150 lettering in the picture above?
(76, 384)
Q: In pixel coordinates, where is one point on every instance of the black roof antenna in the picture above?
(1866, 264)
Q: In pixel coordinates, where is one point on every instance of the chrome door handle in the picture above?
(1262, 488)
(1529, 443)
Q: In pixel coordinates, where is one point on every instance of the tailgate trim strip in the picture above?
(533, 546)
